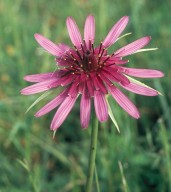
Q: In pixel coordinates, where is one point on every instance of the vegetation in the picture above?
(30, 160)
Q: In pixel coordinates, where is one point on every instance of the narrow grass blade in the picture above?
(24, 164)
(39, 99)
(124, 36)
(140, 83)
(166, 149)
(143, 50)
(123, 177)
(112, 117)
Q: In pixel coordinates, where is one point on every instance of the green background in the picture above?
(30, 160)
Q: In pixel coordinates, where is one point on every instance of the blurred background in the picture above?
(30, 160)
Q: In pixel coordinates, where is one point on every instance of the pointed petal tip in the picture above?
(161, 74)
(126, 17)
(48, 45)
(52, 127)
(104, 119)
(146, 39)
(37, 36)
(23, 92)
(116, 31)
(89, 30)
(25, 78)
(37, 115)
(149, 38)
(69, 18)
(74, 32)
(90, 15)
(137, 116)
(84, 127)
(133, 47)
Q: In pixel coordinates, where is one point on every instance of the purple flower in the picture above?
(91, 72)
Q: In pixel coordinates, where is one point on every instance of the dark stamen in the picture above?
(100, 48)
(90, 44)
(72, 56)
(85, 44)
(82, 48)
(100, 56)
(92, 47)
(78, 53)
(108, 58)
(73, 63)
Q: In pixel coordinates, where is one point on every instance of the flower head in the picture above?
(91, 72)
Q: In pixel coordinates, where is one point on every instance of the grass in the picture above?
(30, 159)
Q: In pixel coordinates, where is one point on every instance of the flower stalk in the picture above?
(92, 156)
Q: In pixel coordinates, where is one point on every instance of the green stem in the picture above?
(92, 156)
(97, 180)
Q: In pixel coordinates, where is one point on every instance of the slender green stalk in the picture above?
(123, 177)
(92, 156)
(97, 180)
(166, 148)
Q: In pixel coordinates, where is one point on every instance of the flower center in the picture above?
(88, 59)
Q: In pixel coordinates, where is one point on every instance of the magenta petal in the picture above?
(63, 112)
(109, 76)
(121, 78)
(116, 76)
(143, 73)
(100, 105)
(124, 102)
(85, 110)
(74, 88)
(99, 85)
(48, 45)
(40, 77)
(40, 87)
(74, 32)
(52, 104)
(90, 86)
(133, 47)
(89, 30)
(67, 80)
(115, 32)
(64, 47)
(115, 60)
(106, 80)
(139, 89)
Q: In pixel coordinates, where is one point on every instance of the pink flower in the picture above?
(90, 72)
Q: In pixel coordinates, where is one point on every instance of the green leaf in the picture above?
(24, 164)
(39, 99)
(149, 49)
(140, 83)
(124, 36)
(112, 117)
